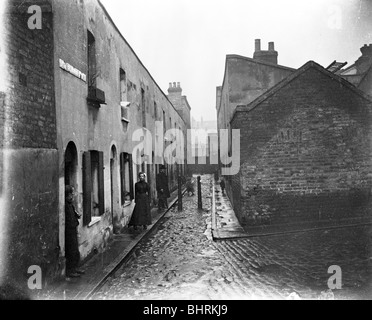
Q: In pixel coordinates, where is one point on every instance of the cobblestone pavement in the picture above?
(180, 261)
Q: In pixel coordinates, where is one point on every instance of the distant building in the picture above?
(204, 146)
(207, 128)
(244, 80)
(360, 73)
(180, 102)
(183, 108)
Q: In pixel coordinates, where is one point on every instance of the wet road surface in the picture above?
(180, 261)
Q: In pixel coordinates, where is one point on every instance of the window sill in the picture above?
(94, 221)
(127, 204)
(125, 104)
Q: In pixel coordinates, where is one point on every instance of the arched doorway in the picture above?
(71, 171)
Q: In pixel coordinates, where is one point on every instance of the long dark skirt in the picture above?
(141, 215)
(72, 250)
(162, 200)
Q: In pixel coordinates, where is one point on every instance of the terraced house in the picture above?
(76, 92)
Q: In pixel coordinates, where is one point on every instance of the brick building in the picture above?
(244, 80)
(183, 108)
(305, 150)
(76, 94)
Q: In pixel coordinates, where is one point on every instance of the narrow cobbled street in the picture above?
(181, 261)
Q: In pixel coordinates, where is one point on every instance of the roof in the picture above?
(236, 56)
(364, 76)
(140, 62)
(293, 76)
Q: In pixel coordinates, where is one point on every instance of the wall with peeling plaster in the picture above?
(91, 128)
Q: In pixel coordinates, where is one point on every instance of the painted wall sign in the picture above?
(70, 69)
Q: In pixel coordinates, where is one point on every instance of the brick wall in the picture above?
(305, 153)
(29, 150)
(31, 113)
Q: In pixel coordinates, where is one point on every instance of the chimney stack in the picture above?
(257, 45)
(365, 60)
(267, 56)
(175, 88)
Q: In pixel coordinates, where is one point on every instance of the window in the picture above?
(93, 186)
(155, 111)
(164, 128)
(143, 164)
(123, 85)
(92, 63)
(96, 96)
(124, 113)
(143, 106)
(124, 104)
(126, 177)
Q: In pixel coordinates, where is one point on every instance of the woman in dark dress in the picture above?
(141, 215)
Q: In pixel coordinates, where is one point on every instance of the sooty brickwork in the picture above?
(30, 145)
(31, 114)
(305, 151)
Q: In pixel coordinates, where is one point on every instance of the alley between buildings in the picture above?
(181, 261)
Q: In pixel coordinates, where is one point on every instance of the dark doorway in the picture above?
(71, 165)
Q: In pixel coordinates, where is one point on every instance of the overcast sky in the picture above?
(187, 40)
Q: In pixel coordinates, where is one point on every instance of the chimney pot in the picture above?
(178, 85)
(271, 46)
(170, 84)
(174, 85)
(257, 44)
